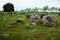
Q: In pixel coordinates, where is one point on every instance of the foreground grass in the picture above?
(21, 32)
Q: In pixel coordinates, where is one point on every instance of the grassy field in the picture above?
(21, 31)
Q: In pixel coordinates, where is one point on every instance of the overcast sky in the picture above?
(22, 4)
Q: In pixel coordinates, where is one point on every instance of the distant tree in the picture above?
(56, 9)
(41, 9)
(52, 8)
(59, 9)
(28, 10)
(35, 9)
(49, 9)
(8, 7)
(45, 8)
(22, 11)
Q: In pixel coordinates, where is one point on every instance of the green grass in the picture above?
(21, 32)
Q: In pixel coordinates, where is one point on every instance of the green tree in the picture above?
(22, 11)
(28, 10)
(35, 9)
(52, 8)
(8, 7)
(45, 8)
(56, 9)
(59, 9)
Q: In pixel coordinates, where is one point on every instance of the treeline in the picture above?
(44, 9)
(9, 7)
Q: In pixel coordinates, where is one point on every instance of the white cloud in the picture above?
(20, 4)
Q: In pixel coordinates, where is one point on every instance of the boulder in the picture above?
(19, 21)
(49, 20)
(32, 24)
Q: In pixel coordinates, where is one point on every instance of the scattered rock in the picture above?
(32, 24)
(4, 19)
(49, 20)
(6, 36)
(19, 21)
